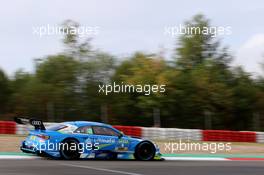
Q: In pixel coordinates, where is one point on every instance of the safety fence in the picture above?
(130, 130)
(9, 127)
(229, 136)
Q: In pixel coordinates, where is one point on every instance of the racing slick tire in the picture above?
(66, 150)
(145, 151)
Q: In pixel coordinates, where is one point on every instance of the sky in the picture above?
(126, 26)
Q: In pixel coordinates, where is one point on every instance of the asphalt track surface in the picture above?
(98, 167)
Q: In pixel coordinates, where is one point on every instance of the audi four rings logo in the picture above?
(35, 122)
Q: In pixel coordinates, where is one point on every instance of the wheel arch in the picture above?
(70, 138)
(148, 141)
(140, 143)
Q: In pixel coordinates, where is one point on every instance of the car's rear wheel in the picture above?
(145, 151)
(69, 149)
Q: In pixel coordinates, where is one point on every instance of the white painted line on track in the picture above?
(166, 158)
(17, 157)
(101, 169)
(196, 158)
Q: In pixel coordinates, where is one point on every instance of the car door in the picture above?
(86, 134)
(122, 144)
(106, 138)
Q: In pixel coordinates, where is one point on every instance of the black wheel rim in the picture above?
(146, 151)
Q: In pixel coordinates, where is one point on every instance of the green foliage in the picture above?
(201, 84)
(196, 47)
(140, 69)
(4, 92)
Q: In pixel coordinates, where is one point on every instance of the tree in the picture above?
(245, 97)
(202, 86)
(202, 89)
(4, 92)
(196, 46)
(59, 74)
(140, 69)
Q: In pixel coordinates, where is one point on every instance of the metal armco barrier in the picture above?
(130, 130)
(229, 136)
(172, 133)
(260, 137)
(9, 127)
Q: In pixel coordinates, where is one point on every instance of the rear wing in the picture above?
(38, 124)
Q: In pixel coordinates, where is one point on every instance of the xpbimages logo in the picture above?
(80, 147)
(212, 31)
(82, 31)
(127, 88)
(212, 147)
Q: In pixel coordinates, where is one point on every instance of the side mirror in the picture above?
(121, 135)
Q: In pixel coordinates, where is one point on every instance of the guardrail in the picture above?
(130, 130)
(229, 136)
(9, 127)
(171, 133)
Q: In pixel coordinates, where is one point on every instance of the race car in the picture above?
(85, 139)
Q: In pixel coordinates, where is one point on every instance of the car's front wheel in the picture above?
(69, 149)
(145, 151)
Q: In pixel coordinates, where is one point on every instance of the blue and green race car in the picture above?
(87, 140)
